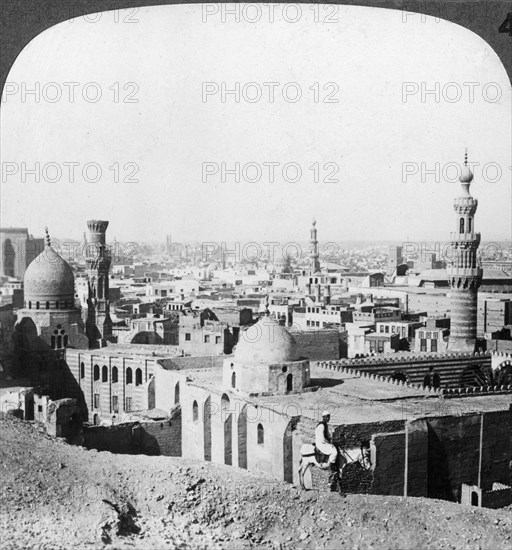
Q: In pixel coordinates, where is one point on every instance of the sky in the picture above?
(374, 162)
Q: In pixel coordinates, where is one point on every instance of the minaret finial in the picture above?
(48, 241)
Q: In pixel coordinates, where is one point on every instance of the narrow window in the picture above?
(138, 377)
(115, 374)
(128, 404)
(177, 394)
(82, 370)
(195, 411)
(96, 400)
(115, 403)
(96, 372)
(261, 435)
(129, 376)
(461, 225)
(233, 380)
(104, 374)
(289, 382)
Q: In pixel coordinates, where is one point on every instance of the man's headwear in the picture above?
(326, 413)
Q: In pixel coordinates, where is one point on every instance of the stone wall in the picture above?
(443, 454)
(318, 345)
(150, 438)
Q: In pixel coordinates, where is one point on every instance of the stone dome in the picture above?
(49, 277)
(266, 342)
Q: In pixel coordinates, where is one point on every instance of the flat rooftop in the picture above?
(355, 400)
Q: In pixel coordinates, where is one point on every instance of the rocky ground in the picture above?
(58, 496)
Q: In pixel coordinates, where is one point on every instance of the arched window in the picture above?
(96, 373)
(82, 370)
(224, 402)
(469, 224)
(115, 375)
(177, 394)
(104, 373)
(47, 305)
(138, 377)
(129, 376)
(261, 435)
(289, 382)
(233, 380)
(461, 225)
(195, 411)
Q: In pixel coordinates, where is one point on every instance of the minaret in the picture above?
(313, 250)
(464, 272)
(98, 257)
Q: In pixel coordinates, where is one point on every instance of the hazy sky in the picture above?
(168, 135)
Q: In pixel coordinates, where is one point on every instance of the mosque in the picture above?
(253, 409)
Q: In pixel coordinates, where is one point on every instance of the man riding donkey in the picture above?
(323, 442)
(325, 455)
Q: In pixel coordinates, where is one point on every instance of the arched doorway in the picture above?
(242, 438)
(207, 429)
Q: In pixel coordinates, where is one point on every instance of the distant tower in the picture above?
(464, 273)
(98, 258)
(313, 250)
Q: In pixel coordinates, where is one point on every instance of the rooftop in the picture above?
(354, 400)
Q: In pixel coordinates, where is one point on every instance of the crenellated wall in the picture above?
(450, 368)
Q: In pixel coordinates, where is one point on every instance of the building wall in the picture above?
(319, 344)
(443, 454)
(152, 438)
(125, 391)
(212, 428)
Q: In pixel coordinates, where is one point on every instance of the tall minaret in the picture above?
(313, 250)
(98, 257)
(464, 272)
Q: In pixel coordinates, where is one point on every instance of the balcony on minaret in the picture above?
(465, 237)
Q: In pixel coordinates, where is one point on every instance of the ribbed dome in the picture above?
(266, 342)
(49, 277)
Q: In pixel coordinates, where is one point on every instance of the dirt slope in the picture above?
(58, 496)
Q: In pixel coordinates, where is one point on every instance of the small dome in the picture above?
(266, 342)
(49, 277)
(466, 175)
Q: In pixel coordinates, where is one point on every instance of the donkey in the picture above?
(310, 456)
